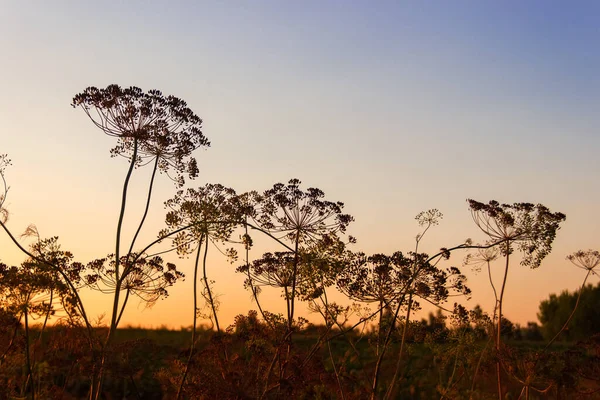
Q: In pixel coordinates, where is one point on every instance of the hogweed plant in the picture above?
(35, 290)
(210, 213)
(310, 259)
(148, 278)
(426, 282)
(299, 218)
(528, 228)
(587, 260)
(530, 378)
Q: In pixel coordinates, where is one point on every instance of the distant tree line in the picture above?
(555, 311)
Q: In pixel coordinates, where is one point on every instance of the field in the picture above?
(148, 364)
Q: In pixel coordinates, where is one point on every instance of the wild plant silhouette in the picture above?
(368, 341)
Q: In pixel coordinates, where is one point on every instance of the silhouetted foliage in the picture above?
(371, 345)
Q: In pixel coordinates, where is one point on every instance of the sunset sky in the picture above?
(391, 107)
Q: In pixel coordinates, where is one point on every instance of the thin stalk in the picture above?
(268, 374)
(294, 276)
(183, 228)
(39, 339)
(415, 271)
(147, 205)
(450, 385)
(493, 286)
(62, 274)
(477, 367)
(491, 330)
(325, 302)
(335, 371)
(118, 279)
(115, 309)
(12, 340)
(499, 326)
(390, 390)
(287, 303)
(379, 327)
(526, 387)
(28, 357)
(123, 306)
(383, 350)
(195, 319)
(47, 316)
(207, 285)
(254, 290)
(316, 346)
(572, 312)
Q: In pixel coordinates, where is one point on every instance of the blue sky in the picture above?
(392, 108)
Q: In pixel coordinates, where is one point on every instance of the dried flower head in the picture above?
(532, 228)
(273, 269)
(482, 257)
(377, 278)
(147, 125)
(587, 260)
(300, 215)
(211, 211)
(147, 278)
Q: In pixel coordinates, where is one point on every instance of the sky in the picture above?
(391, 107)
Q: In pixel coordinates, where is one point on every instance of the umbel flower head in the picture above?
(273, 269)
(482, 256)
(532, 228)
(147, 125)
(211, 210)
(374, 278)
(147, 277)
(587, 260)
(300, 215)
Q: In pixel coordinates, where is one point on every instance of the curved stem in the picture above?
(47, 315)
(499, 326)
(294, 278)
(118, 280)
(478, 366)
(183, 228)
(195, 319)
(390, 390)
(147, 205)
(493, 286)
(572, 312)
(287, 303)
(379, 327)
(123, 306)
(384, 348)
(207, 286)
(28, 357)
(39, 339)
(254, 290)
(335, 371)
(63, 275)
(12, 340)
